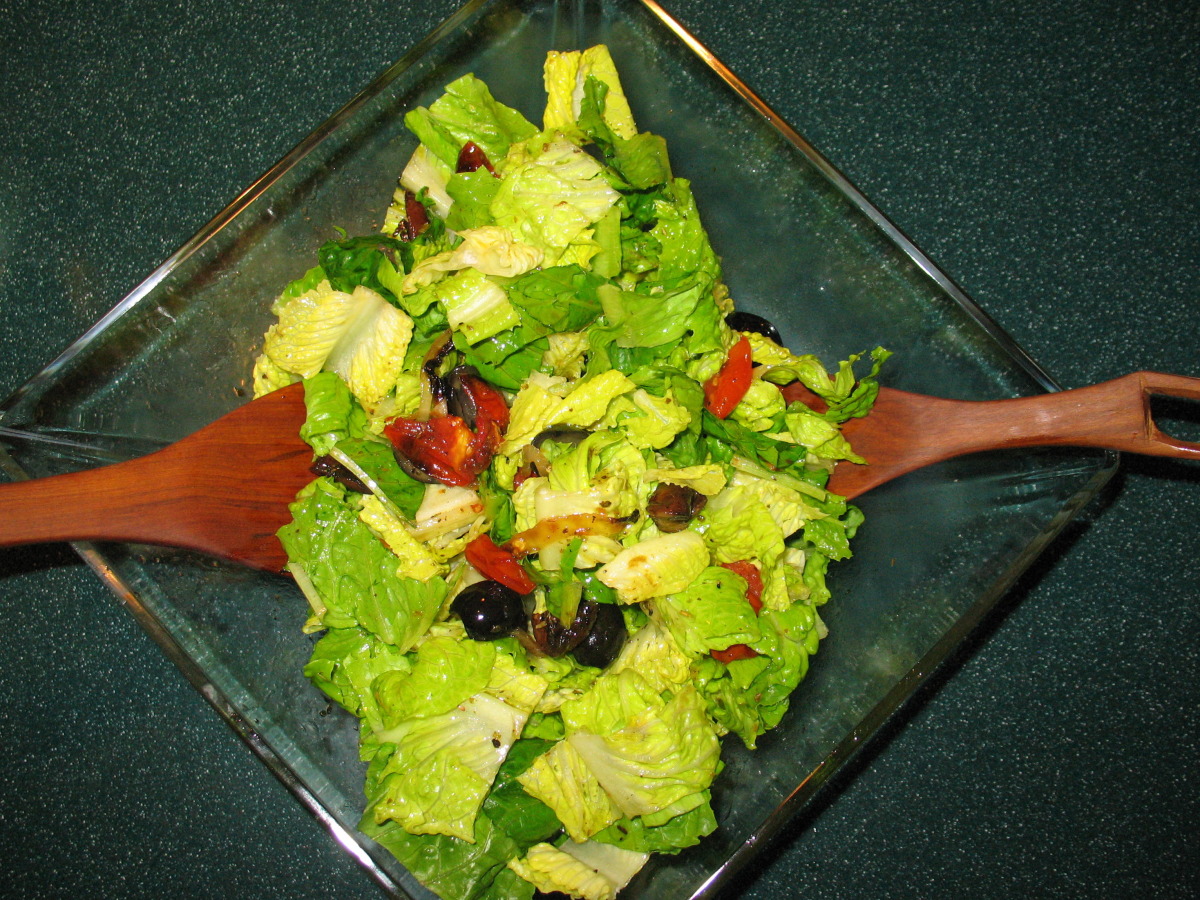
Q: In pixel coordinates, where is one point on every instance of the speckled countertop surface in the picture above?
(1044, 154)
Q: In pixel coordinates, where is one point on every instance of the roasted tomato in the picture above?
(498, 564)
(725, 390)
(472, 157)
(736, 651)
(447, 448)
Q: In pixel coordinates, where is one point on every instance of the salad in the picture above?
(566, 533)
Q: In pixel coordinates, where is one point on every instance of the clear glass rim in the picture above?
(852, 744)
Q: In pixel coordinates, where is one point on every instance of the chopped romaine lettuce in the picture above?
(547, 309)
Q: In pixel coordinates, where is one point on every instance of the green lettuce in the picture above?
(565, 76)
(656, 566)
(345, 663)
(558, 298)
(373, 462)
(590, 871)
(650, 422)
(652, 652)
(646, 752)
(451, 720)
(750, 696)
(471, 194)
(467, 111)
(331, 413)
(677, 833)
(350, 575)
(550, 200)
(359, 335)
(560, 778)
(476, 306)
(536, 408)
(507, 358)
(526, 819)
(711, 613)
(452, 867)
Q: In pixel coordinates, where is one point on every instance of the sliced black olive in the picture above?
(561, 436)
(672, 506)
(604, 641)
(744, 321)
(489, 610)
(555, 639)
(412, 469)
(331, 468)
(459, 399)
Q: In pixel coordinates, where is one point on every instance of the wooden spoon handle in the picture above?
(124, 501)
(907, 431)
(1113, 415)
(223, 491)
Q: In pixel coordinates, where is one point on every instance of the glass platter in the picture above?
(799, 245)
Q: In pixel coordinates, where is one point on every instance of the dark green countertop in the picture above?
(1044, 154)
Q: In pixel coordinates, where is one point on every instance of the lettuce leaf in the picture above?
(359, 335)
(471, 194)
(590, 871)
(561, 779)
(656, 567)
(345, 663)
(351, 572)
(558, 298)
(646, 752)
(649, 422)
(452, 720)
(711, 613)
(507, 358)
(535, 408)
(331, 415)
(749, 697)
(526, 819)
(551, 200)
(374, 462)
(467, 111)
(677, 833)
(565, 76)
(452, 867)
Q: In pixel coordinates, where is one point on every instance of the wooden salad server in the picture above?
(224, 491)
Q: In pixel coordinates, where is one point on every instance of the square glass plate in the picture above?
(799, 245)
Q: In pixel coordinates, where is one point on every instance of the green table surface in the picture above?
(1044, 154)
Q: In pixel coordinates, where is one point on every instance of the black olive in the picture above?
(744, 321)
(331, 468)
(605, 639)
(489, 610)
(560, 436)
(412, 469)
(672, 506)
(459, 399)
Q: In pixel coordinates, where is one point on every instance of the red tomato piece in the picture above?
(725, 390)
(754, 585)
(734, 651)
(444, 447)
(498, 564)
